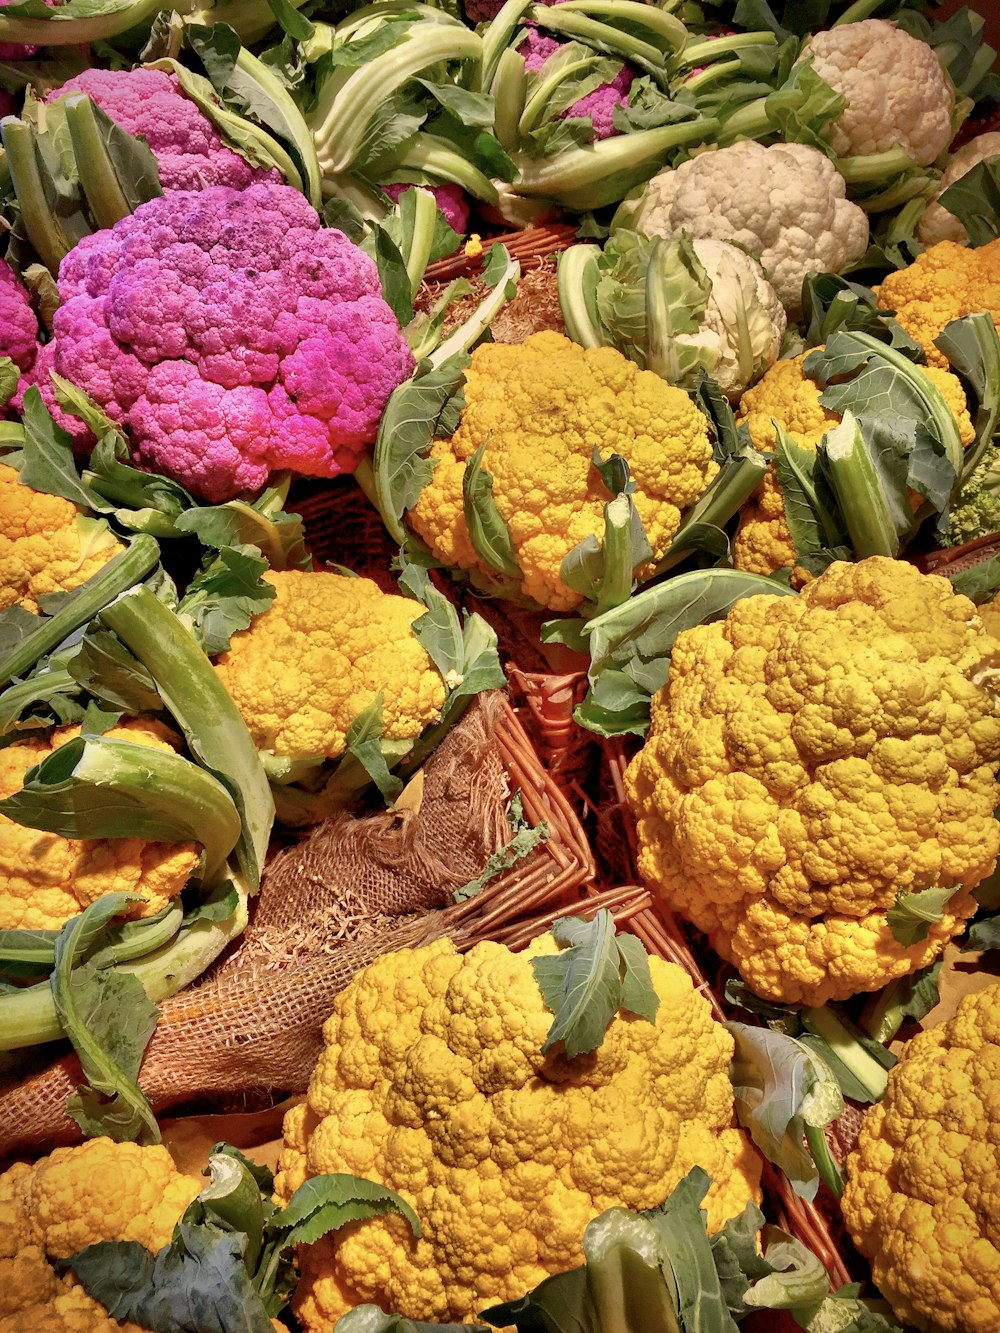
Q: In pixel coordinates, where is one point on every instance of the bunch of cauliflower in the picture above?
(432, 1082)
(813, 758)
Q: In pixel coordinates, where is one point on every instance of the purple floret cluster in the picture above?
(17, 50)
(598, 105)
(449, 198)
(18, 325)
(185, 143)
(230, 336)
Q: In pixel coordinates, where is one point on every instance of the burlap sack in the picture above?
(353, 889)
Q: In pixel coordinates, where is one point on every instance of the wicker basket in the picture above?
(531, 246)
(956, 559)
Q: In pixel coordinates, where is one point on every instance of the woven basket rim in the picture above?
(529, 245)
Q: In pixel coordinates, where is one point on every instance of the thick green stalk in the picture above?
(856, 485)
(861, 9)
(598, 17)
(577, 276)
(826, 1163)
(600, 35)
(73, 25)
(601, 173)
(255, 71)
(98, 177)
(510, 90)
(42, 226)
(418, 244)
(344, 108)
(439, 160)
(136, 938)
(708, 52)
(824, 1023)
(871, 168)
(114, 578)
(734, 483)
(471, 330)
(496, 40)
(201, 705)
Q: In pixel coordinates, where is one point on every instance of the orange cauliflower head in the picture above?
(317, 658)
(541, 408)
(763, 542)
(432, 1082)
(99, 1190)
(45, 879)
(943, 283)
(46, 544)
(922, 1201)
(811, 758)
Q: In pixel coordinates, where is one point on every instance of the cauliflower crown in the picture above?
(922, 1200)
(46, 879)
(432, 1082)
(811, 758)
(943, 283)
(937, 224)
(230, 334)
(742, 302)
(18, 325)
(310, 664)
(896, 91)
(790, 209)
(541, 407)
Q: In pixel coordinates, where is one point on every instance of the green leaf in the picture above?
(975, 200)
(487, 526)
(96, 720)
(810, 510)
(523, 842)
(780, 1087)
(108, 671)
(9, 377)
(797, 1278)
(396, 291)
(412, 419)
(913, 914)
(109, 1020)
(984, 934)
(296, 25)
(701, 1303)
(325, 1203)
(583, 984)
(225, 595)
(49, 464)
(364, 743)
(979, 582)
(737, 1257)
(372, 1319)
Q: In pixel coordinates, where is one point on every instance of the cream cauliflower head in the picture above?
(786, 204)
(896, 92)
(937, 224)
(432, 1082)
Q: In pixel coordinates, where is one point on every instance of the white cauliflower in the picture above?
(786, 204)
(897, 94)
(744, 321)
(937, 224)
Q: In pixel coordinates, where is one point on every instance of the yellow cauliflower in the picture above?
(943, 283)
(45, 879)
(317, 658)
(989, 614)
(763, 542)
(810, 758)
(922, 1200)
(432, 1082)
(97, 1191)
(46, 543)
(541, 407)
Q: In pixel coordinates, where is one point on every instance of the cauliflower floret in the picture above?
(944, 283)
(45, 879)
(541, 408)
(937, 224)
(18, 325)
(790, 210)
(811, 758)
(97, 1191)
(897, 94)
(46, 544)
(432, 1079)
(230, 335)
(922, 1200)
(317, 658)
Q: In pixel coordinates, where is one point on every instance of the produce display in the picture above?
(499, 666)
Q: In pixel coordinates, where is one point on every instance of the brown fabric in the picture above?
(353, 889)
(535, 307)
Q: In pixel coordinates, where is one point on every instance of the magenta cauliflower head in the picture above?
(598, 105)
(18, 325)
(187, 146)
(230, 335)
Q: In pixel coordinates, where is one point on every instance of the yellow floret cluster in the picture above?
(46, 544)
(321, 653)
(812, 757)
(945, 282)
(75, 1197)
(922, 1200)
(763, 542)
(432, 1082)
(45, 879)
(541, 408)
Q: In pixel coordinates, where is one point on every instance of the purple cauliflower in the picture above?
(598, 105)
(15, 50)
(187, 146)
(18, 325)
(230, 335)
(450, 199)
